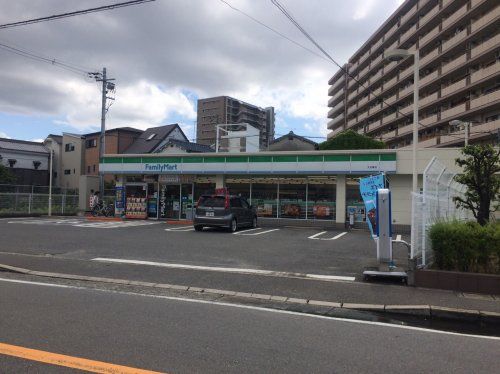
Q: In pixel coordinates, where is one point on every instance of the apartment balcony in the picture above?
(408, 32)
(336, 108)
(428, 99)
(405, 91)
(429, 57)
(477, 131)
(352, 95)
(377, 60)
(337, 95)
(352, 122)
(454, 17)
(453, 112)
(339, 83)
(431, 14)
(375, 109)
(407, 109)
(489, 44)
(454, 64)
(377, 44)
(391, 82)
(363, 101)
(405, 130)
(485, 73)
(352, 108)
(475, 3)
(374, 126)
(406, 72)
(409, 14)
(391, 31)
(429, 120)
(389, 118)
(483, 21)
(458, 38)
(363, 72)
(388, 135)
(362, 116)
(429, 77)
(389, 67)
(377, 91)
(391, 99)
(431, 142)
(446, 3)
(336, 131)
(336, 121)
(377, 76)
(488, 99)
(429, 36)
(454, 87)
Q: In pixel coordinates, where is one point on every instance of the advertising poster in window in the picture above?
(368, 188)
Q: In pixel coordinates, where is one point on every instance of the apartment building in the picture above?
(72, 160)
(224, 109)
(459, 47)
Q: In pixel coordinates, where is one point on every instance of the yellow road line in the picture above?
(68, 361)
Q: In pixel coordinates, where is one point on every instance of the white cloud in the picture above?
(362, 9)
(38, 140)
(140, 105)
(4, 135)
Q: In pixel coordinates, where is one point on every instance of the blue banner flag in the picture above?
(368, 187)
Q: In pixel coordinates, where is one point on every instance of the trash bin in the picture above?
(189, 212)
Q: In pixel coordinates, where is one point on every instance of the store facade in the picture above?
(312, 185)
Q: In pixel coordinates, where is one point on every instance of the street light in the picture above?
(458, 123)
(398, 55)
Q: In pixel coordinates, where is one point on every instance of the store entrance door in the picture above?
(170, 201)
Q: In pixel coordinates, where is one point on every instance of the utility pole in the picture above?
(106, 87)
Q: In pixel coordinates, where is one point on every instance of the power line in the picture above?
(75, 13)
(274, 30)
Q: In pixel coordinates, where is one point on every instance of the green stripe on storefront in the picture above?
(310, 158)
(284, 158)
(192, 160)
(388, 157)
(260, 159)
(337, 158)
(365, 157)
(211, 160)
(237, 159)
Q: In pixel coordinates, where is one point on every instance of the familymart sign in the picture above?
(317, 163)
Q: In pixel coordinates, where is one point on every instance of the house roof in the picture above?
(292, 135)
(57, 138)
(187, 146)
(117, 129)
(22, 145)
(151, 138)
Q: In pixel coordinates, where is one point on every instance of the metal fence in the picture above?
(32, 189)
(36, 203)
(434, 204)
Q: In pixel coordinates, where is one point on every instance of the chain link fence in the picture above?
(32, 200)
(434, 204)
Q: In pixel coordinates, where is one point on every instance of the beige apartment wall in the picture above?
(72, 161)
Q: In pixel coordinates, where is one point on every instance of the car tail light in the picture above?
(226, 202)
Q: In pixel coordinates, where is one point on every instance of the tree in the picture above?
(6, 176)
(350, 139)
(481, 168)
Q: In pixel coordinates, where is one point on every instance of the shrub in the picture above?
(466, 246)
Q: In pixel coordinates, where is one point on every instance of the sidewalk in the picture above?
(328, 291)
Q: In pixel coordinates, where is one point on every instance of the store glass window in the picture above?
(354, 201)
(239, 187)
(264, 196)
(321, 198)
(203, 186)
(292, 198)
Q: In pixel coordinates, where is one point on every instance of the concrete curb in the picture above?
(430, 311)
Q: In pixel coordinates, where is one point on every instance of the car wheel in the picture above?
(198, 228)
(234, 225)
(254, 222)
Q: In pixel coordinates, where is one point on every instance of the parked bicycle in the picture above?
(105, 210)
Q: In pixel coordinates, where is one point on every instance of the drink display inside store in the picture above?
(136, 202)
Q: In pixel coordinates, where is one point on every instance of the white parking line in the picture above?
(315, 236)
(271, 273)
(255, 233)
(241, 232)
(181, 229)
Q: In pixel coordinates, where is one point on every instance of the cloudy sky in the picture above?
(166, 54)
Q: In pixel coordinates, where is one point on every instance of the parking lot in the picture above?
(277, 249)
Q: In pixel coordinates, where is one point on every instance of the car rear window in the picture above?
(212, 202)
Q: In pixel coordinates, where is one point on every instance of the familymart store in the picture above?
(317, 185)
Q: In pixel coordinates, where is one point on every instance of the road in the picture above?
(185, 336)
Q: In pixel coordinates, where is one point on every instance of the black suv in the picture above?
(226, 211)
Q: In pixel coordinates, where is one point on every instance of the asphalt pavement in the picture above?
(181, 335)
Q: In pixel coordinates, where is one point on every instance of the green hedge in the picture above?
(466, 246)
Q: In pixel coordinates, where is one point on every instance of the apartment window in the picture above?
(93, 168)
(74, 171)
(67, 171)
(12, 162)
(88, 169)
(69, 147)
(36, 164)
(91, 143)
(151, 137)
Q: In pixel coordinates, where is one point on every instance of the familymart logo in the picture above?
(160, 167)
